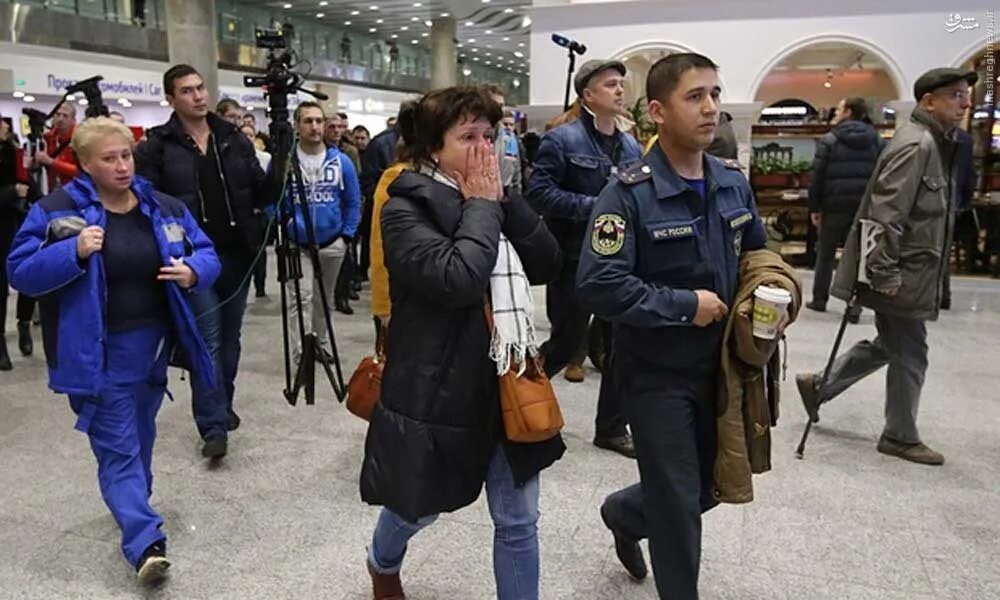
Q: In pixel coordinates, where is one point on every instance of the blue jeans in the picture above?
(220, 326)
(121, 424)
(515, 536)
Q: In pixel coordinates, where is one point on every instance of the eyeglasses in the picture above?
(958, 95)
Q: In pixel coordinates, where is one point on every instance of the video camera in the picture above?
(280, 79)
(92, 92)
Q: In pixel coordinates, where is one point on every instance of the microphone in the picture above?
(572, 45)
(84, 85)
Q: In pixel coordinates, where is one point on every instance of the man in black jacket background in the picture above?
(844, 161)
(205, 161)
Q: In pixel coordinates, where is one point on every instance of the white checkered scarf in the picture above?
(513, 335)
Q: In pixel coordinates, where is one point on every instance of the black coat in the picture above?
(12, 207)
(168, 159)
(379, 156)
(845, 159)
(438, 422)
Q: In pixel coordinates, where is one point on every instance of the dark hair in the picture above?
(307, 104)
(494, 90)
(225, 105)
(342, 116)
(173, 74)
(858, 108)
(358, 128)
(666, 73)
(422, 128)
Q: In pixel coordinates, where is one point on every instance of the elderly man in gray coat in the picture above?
(908, 201)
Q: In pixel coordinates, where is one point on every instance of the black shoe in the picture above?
(621, 444)
(945, 302)
(153, 565)
(853, 316)
(260, 294)
(5, 364)
(816, 306)
(629, 552)
(215, 447)
(233, 421)
(342, 306)
(24, 341)
(354, 295)
(806, 383)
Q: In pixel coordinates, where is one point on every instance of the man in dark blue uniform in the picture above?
(662, 264)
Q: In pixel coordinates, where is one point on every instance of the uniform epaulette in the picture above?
(636, 173)
(732, 163)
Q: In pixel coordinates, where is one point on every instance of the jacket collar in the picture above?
(84, 193)
(216, 124)
(924, 118)
(668, 183)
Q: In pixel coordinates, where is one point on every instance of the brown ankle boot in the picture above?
(385, 587)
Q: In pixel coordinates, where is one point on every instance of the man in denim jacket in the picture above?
(573, 165)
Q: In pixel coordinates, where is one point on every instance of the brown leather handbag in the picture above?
(528, 403)
(365, 387)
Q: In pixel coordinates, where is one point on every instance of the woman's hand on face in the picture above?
(178, 272)
(482, 174)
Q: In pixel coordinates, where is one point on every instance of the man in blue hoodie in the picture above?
(333, 196)
(844, 161)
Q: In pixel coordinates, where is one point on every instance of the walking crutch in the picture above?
(800, 451)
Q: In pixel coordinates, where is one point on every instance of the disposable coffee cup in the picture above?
(770, 305)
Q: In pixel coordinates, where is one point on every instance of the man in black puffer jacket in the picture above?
(844, 161)
(205, 161)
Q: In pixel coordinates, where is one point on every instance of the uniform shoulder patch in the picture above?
(636, 173)
(731, 163)
(608, 236)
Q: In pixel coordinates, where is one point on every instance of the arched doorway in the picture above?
(799, 90)
(638, 60)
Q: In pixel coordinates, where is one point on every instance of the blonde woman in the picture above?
(113, 261)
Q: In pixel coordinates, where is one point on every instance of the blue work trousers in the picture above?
(121, 424)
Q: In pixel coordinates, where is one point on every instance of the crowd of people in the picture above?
(141, 255)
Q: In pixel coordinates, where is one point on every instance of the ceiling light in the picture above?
(394, 36)
(472, 40)
(404, 28)
(508, 10)
(414, 42)
(380, 21)
(249, 107)
(320, 15)
(470, 23)
(466, 71)
(372, 29)
(488, 63)
(122, 101)
(355, 13)
(428, 23)
(373, 7)
(520, 45)
(288, 5)
(347, 22)
(526, 21)
(518, 54)
(164, 103)
(29, 98)
(486, 1)
(445, 15)
(459, 45)
(516, 82)
(424, 34)
(475, 49)
(323, 3)
(475, 58)
(827, 84)
(506, 39)
(19, 94)
(488, 54)
(414, 19)
(489, 32)
(81, 101)
(417, 4)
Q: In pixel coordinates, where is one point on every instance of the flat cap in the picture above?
(593, 67)
(940, 77)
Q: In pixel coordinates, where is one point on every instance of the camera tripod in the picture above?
(278, 83)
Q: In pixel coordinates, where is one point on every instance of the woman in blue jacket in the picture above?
(113, 261)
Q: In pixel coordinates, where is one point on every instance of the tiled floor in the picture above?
(281, 517)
